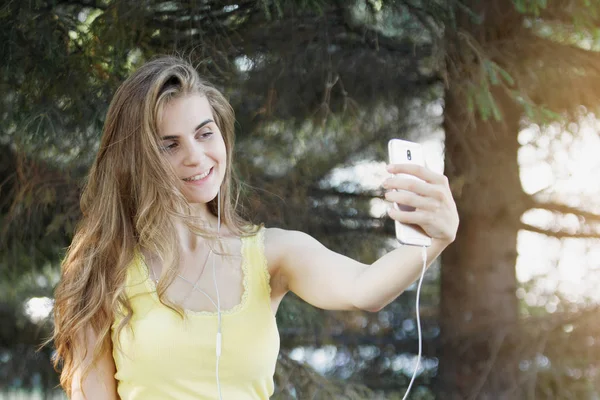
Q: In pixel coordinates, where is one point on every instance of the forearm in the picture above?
(388, 277)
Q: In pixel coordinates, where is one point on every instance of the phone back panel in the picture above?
(405, 152)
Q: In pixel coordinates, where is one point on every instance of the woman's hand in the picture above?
(435, 209)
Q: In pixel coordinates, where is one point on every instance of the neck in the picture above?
(201, 210)
(190, 241)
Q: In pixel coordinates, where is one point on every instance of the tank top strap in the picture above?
(256, 265)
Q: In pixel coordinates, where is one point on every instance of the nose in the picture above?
(194, 154)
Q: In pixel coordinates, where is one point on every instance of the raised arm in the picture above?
(333, 281)
(99, 383)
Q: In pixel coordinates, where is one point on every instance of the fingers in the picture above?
(419, 171)
(419, 180)
(410, 184)
(430, 196)
(411, 199)
(408, 217)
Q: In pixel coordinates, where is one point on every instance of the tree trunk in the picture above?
(479, 308)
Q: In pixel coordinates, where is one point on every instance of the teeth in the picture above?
(198, 177)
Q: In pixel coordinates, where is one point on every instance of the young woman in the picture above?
(166, 292)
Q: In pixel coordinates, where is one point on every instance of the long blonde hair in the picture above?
(132, 199)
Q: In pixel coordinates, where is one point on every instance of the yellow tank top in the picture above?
(165, 357)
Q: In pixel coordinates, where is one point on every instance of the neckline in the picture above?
(151, 286)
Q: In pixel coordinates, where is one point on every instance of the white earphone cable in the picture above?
(424, 256)
(195, 287)
(219, 336)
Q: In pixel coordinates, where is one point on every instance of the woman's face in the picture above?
(193, 144)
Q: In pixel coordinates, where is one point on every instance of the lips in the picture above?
(201, 173)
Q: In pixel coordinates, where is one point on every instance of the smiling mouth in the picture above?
(198, 177)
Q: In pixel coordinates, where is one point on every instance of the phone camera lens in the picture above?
(408, 155)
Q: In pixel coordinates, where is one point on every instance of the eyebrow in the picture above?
(200, 125)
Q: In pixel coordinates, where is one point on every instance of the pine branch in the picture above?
(431, 19)
(84, 4)
(202, 13)
(556, 320)
(298, 380)
(565, 209)
(563, 12)
(362, 195)
(376, 40)
(291, 338)
(559, 234)
(566, 76)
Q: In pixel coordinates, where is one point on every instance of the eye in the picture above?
(206, 135)
(170, 148)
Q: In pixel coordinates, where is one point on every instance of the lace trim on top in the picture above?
(265, 266)
(151, 285)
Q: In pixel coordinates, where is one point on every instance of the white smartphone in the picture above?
(406, 152)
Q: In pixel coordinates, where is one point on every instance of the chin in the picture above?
(201, 196)
(200, 199)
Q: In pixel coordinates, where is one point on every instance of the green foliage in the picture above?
(268, 6)
(541, 114)
(326, 84)
(479, 94)
(300, 113)
(533, 7)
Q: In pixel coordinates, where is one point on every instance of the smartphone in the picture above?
(406, 152)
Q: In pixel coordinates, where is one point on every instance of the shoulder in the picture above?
(283, 243)
(275, 240)
(282, 237)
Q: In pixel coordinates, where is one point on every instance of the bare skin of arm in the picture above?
(99, 383)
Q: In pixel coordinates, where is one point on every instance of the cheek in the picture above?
(221, 151)
(173, 161)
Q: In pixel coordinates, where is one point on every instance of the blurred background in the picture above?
(502, 94)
